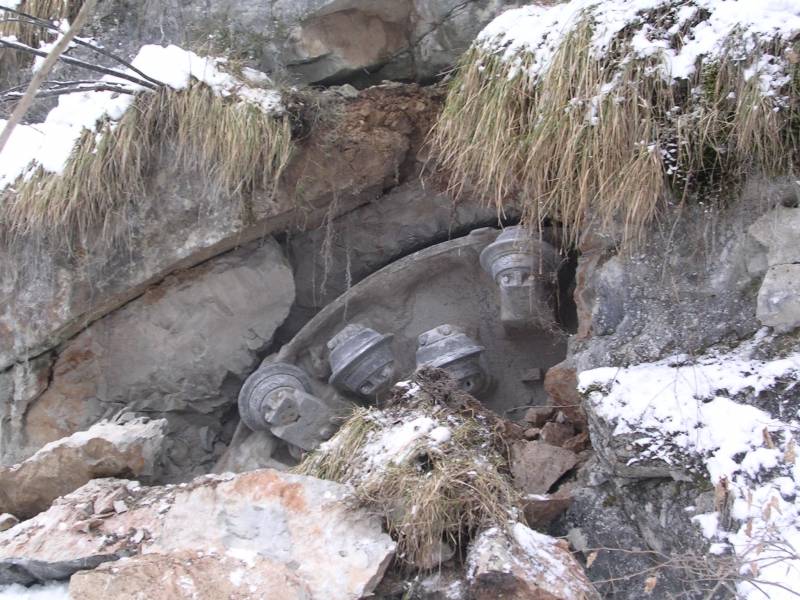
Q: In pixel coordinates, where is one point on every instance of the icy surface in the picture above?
(49, 144)
(538, 30)
(684, 409)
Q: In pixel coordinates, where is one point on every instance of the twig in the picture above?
(36, 21)
(41, 75)
(80, 63)
(62, 91)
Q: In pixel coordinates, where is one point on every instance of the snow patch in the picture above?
(537, 31)
(48, 591)
(683, 408)
(48, 144)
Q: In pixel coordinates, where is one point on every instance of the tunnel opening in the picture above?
(409, 284)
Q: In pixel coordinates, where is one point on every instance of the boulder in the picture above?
(60, 467)
(8, 521)
(556, 434)
(560, 383)
(537, 416)
(524, 565)
(542, 509)
(536, 466)
(189, 575)
(251, 451)
(298, 537)
(779, 298)
(184, 346)
(778, 232)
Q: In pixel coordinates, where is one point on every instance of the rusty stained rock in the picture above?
(60, 467)
(297, 535)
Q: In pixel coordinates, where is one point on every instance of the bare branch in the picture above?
(82, 64)
(61, 91)
(41, 75)
(43, 23)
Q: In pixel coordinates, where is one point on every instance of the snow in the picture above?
(395, 444)
(10, 3)
(440, 435)
(537, 31)
(682, 410)
(49, 591)
(49, 144)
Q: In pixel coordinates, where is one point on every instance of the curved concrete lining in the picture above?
(440, 284)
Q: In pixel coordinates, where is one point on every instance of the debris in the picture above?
(298, 533)
(524, 564)
(104, 450)
(429, 491)
(536, 466)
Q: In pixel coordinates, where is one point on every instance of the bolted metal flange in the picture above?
(523, 267)
(265, 399)
(278, 398)
(361, 360)
(449, 348)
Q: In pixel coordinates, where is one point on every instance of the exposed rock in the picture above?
(8, 521)
(190, 575)
(598, 520)
(684, 292)
(577, 443)
(542, 509)
(560, 383)
(778, 259)
(181, 348)
(536, 466)
(181, 221)
(60, 467)
(538, 415)
(525, 565)
(311, 41)
(778, 231)
(556, 433)
(298, 533)
(779, 297)
(253, 452)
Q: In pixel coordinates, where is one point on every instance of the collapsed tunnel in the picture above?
(493, 308)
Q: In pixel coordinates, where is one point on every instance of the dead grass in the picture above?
(238, 147)
(10, 26)
(50, 10)
(509, 136)
(438, 493)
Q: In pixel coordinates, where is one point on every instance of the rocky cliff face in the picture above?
(126, 359)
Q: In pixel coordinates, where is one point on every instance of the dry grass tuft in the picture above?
(428, 493)
(237, 145)
(49, 10)
(10, 26)
(609, 141)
